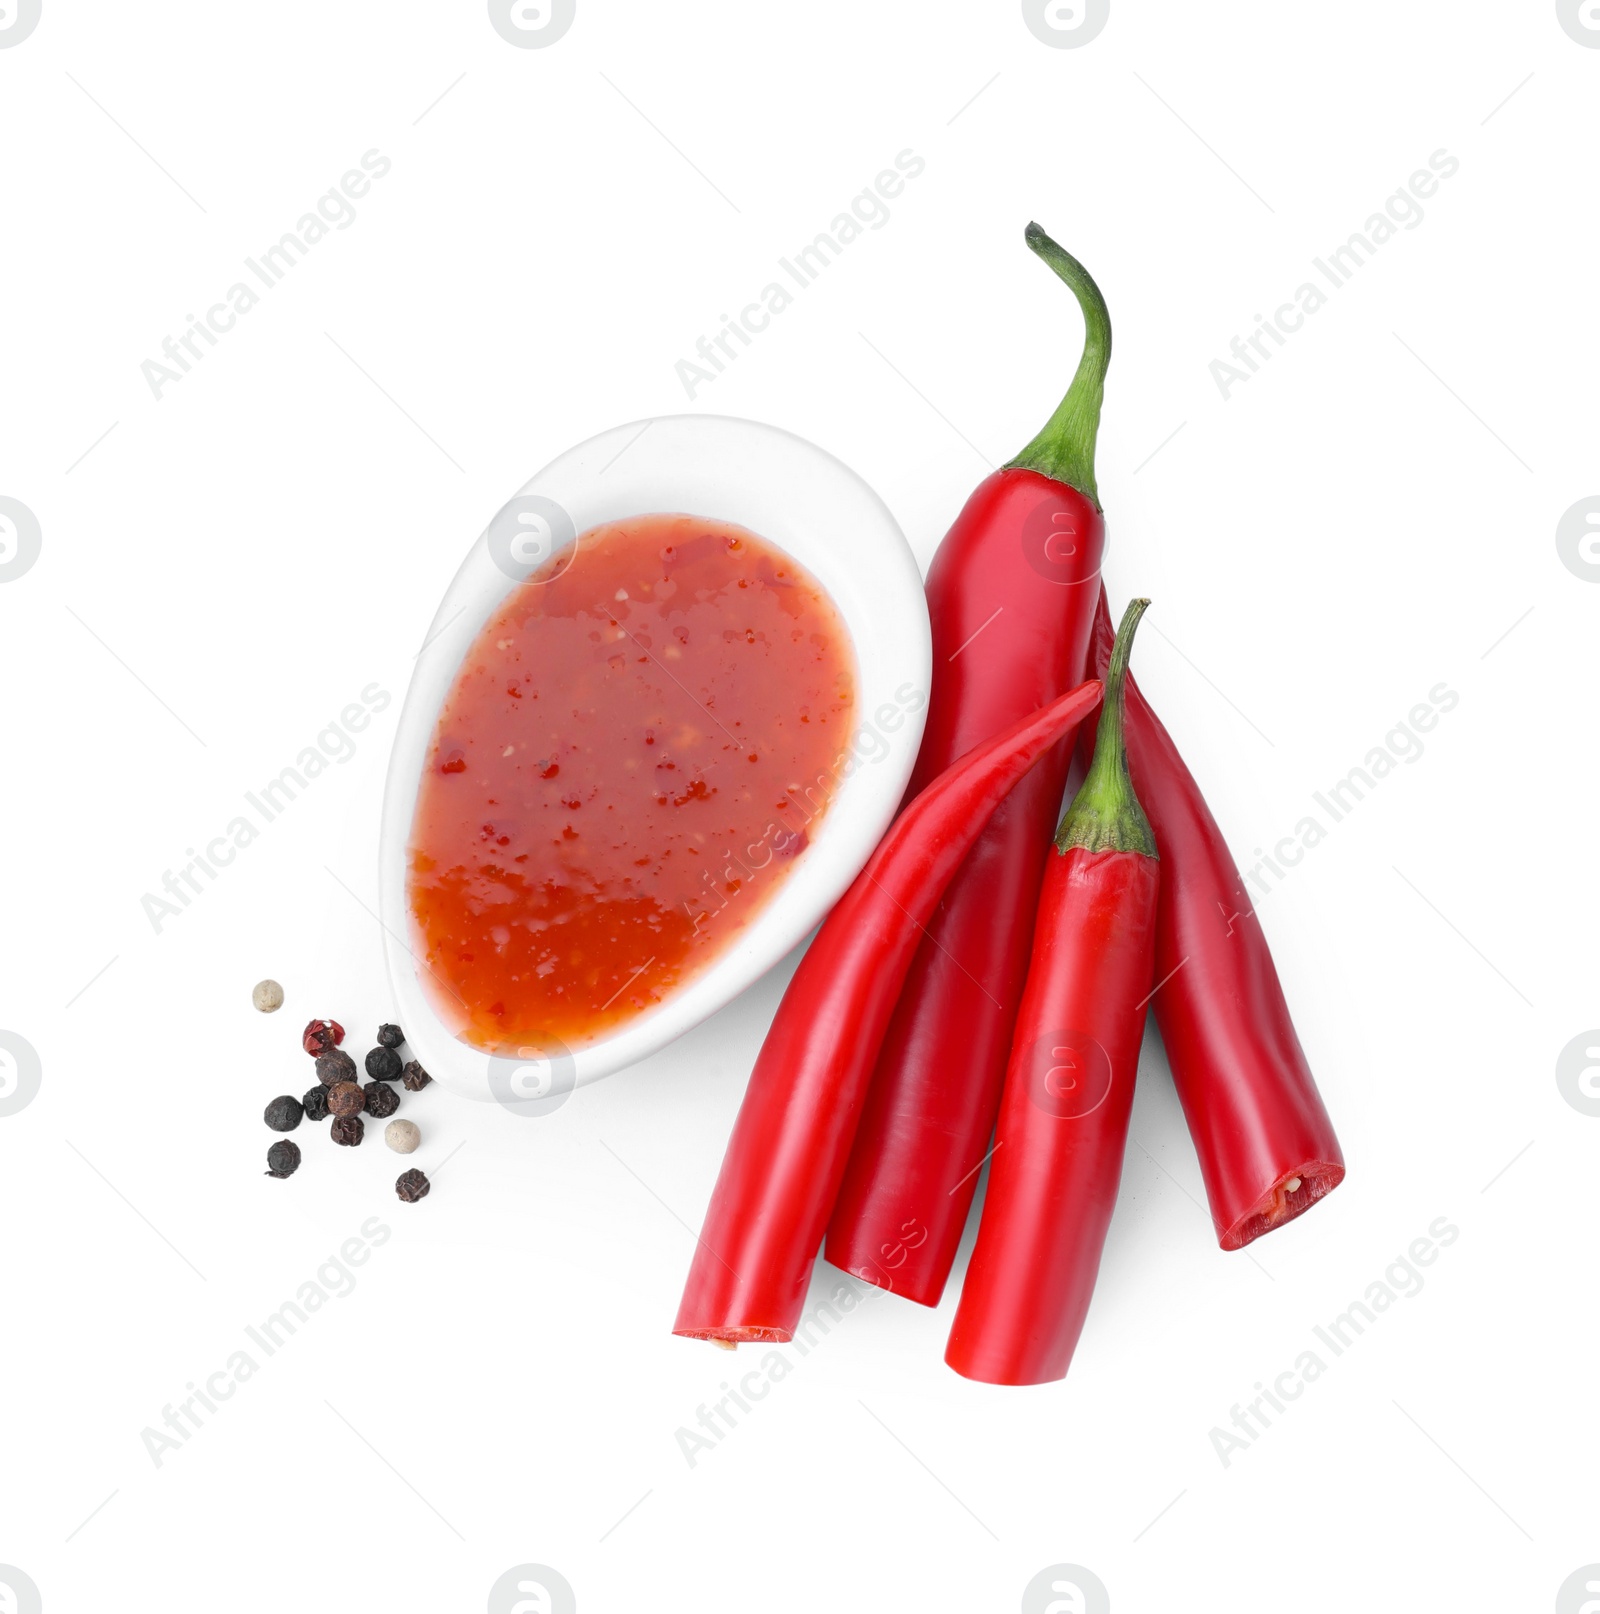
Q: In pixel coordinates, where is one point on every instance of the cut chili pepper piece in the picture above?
(783, 1164)
(1011, 597)
(1267, 1148)
(1063, 1126)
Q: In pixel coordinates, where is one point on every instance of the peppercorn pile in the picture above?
(339, 1098)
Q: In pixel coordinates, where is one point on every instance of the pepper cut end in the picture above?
(1064, 448)
(735, 1334)
(1105, 815)
(1291, 1196)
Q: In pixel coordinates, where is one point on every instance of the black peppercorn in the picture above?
(345, 1099)
(416, 1077)
(334, 1066)
(411, 1186)
(347, 1129)
(315, 1103)
(283, 1114)
(382, 1100)
(390, 1036)
(283, 1159)
(384, 1064)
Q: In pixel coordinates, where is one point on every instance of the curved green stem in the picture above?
(1105, 815)
(1064, 449)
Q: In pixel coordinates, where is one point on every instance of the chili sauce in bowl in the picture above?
(634, 755)
(665, 711)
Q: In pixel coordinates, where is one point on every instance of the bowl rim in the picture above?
(863, 562)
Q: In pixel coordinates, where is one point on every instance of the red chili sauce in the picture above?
(635, 750)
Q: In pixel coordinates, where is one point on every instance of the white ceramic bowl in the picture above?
(796, 496)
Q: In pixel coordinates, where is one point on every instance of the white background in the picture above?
(225, 569)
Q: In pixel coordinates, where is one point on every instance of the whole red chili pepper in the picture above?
(781, 1172)
(1267, 1148)
(1011, 594)
(1069, 1086)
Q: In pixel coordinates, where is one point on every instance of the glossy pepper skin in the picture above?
(1011, 596)
(1063, 1127)
(781, 1172)
(1254, 1113)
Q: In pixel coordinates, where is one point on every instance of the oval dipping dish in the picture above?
(800, 500)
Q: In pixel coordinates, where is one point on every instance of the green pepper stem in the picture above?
(1105, 815)
(1064, 449)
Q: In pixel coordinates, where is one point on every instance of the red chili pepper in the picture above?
(1011, 594)
(781, 1172)
(1069, 1088)
(1267, 1148)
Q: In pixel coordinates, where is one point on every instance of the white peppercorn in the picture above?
(267, 996)
(402, 1136)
